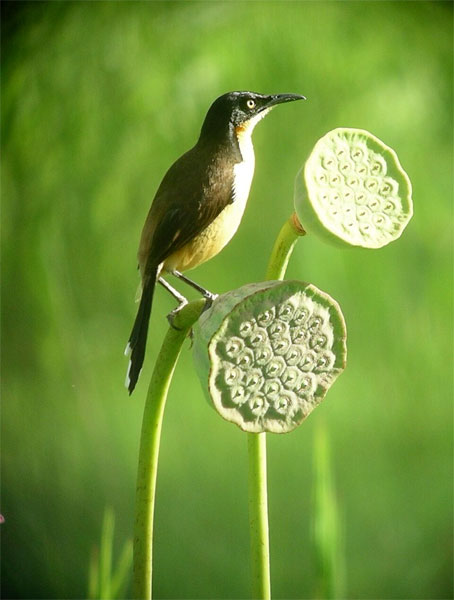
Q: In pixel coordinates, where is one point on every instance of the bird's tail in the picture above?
(138, 338)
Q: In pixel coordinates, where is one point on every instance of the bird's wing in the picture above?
(191, 195)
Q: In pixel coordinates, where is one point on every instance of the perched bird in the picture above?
(199, 204)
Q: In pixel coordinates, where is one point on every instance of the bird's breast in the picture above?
(220, 231)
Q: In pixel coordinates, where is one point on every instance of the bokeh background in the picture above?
(97, 100)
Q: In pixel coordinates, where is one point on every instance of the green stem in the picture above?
(283, 248)
(151, 436)
(258, 516)
(149, 446)
(258, 496)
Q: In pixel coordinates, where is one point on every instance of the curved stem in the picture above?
(258, 495)
(283, 248)
(149, 446)
(151, 436)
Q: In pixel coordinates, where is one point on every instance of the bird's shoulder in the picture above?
(199, 171)
(194, 191)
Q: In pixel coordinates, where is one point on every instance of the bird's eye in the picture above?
(250, 103)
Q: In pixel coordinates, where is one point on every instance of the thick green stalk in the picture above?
(258, 516)
(149, 446)
(258, 495)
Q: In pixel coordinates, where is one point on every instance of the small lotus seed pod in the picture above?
(353, 190)
(267, 353)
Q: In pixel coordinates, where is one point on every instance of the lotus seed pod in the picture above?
(353, 191)
(267, 353)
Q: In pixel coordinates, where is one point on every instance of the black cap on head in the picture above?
(235, 108)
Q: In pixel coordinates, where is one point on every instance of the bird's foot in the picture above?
(209, 299)
(172, 315)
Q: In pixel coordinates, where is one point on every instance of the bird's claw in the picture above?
(171, 316)
(209, 299)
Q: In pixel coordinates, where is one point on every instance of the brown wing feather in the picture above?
(192, 194)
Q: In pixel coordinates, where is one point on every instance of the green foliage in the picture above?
(106, 582)
(98, 98)
(327, 527)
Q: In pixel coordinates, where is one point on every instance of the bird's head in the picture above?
(241, 111)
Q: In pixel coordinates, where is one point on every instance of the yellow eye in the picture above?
(250, 103)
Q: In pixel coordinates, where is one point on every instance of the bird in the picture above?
(198, 205)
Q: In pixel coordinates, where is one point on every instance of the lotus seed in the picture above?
(258, 336)
(264, 319)
(272, 387)
(286, 312)
(246, 328)
(233, 347)
(280, 346)
(263, 356)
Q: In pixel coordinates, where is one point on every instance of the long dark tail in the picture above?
(138, 338)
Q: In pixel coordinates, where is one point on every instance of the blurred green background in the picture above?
(97, 100)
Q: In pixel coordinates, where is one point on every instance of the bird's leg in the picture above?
(209, 297)
(181, 300)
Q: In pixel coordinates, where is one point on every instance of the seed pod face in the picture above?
(267, 353)
(353, 190)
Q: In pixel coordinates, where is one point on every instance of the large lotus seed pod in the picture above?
(353, 190)
(267, 353)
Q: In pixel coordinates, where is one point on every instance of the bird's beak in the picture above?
(281, 98)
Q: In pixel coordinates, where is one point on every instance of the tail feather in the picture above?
(138, 338)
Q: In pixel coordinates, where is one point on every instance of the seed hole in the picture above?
(266, 317)
(374, 204)
(232, 375)
(282, 404)
(246, 328)
(257, 405)
(300, 316)
(285, 312)
(389, 207)
(263, 355)
(357, 154)
(361, 198)
(315, 324)
(371, 185)
(306, 383)
(272, 388)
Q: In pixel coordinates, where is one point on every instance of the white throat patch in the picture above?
(244, 133)
(244, 170)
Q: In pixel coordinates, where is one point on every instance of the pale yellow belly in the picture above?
(211, 241)
(219, 233)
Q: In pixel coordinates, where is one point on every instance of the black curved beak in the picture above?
(281, 98)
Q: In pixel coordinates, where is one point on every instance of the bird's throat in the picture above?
(243, 135)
